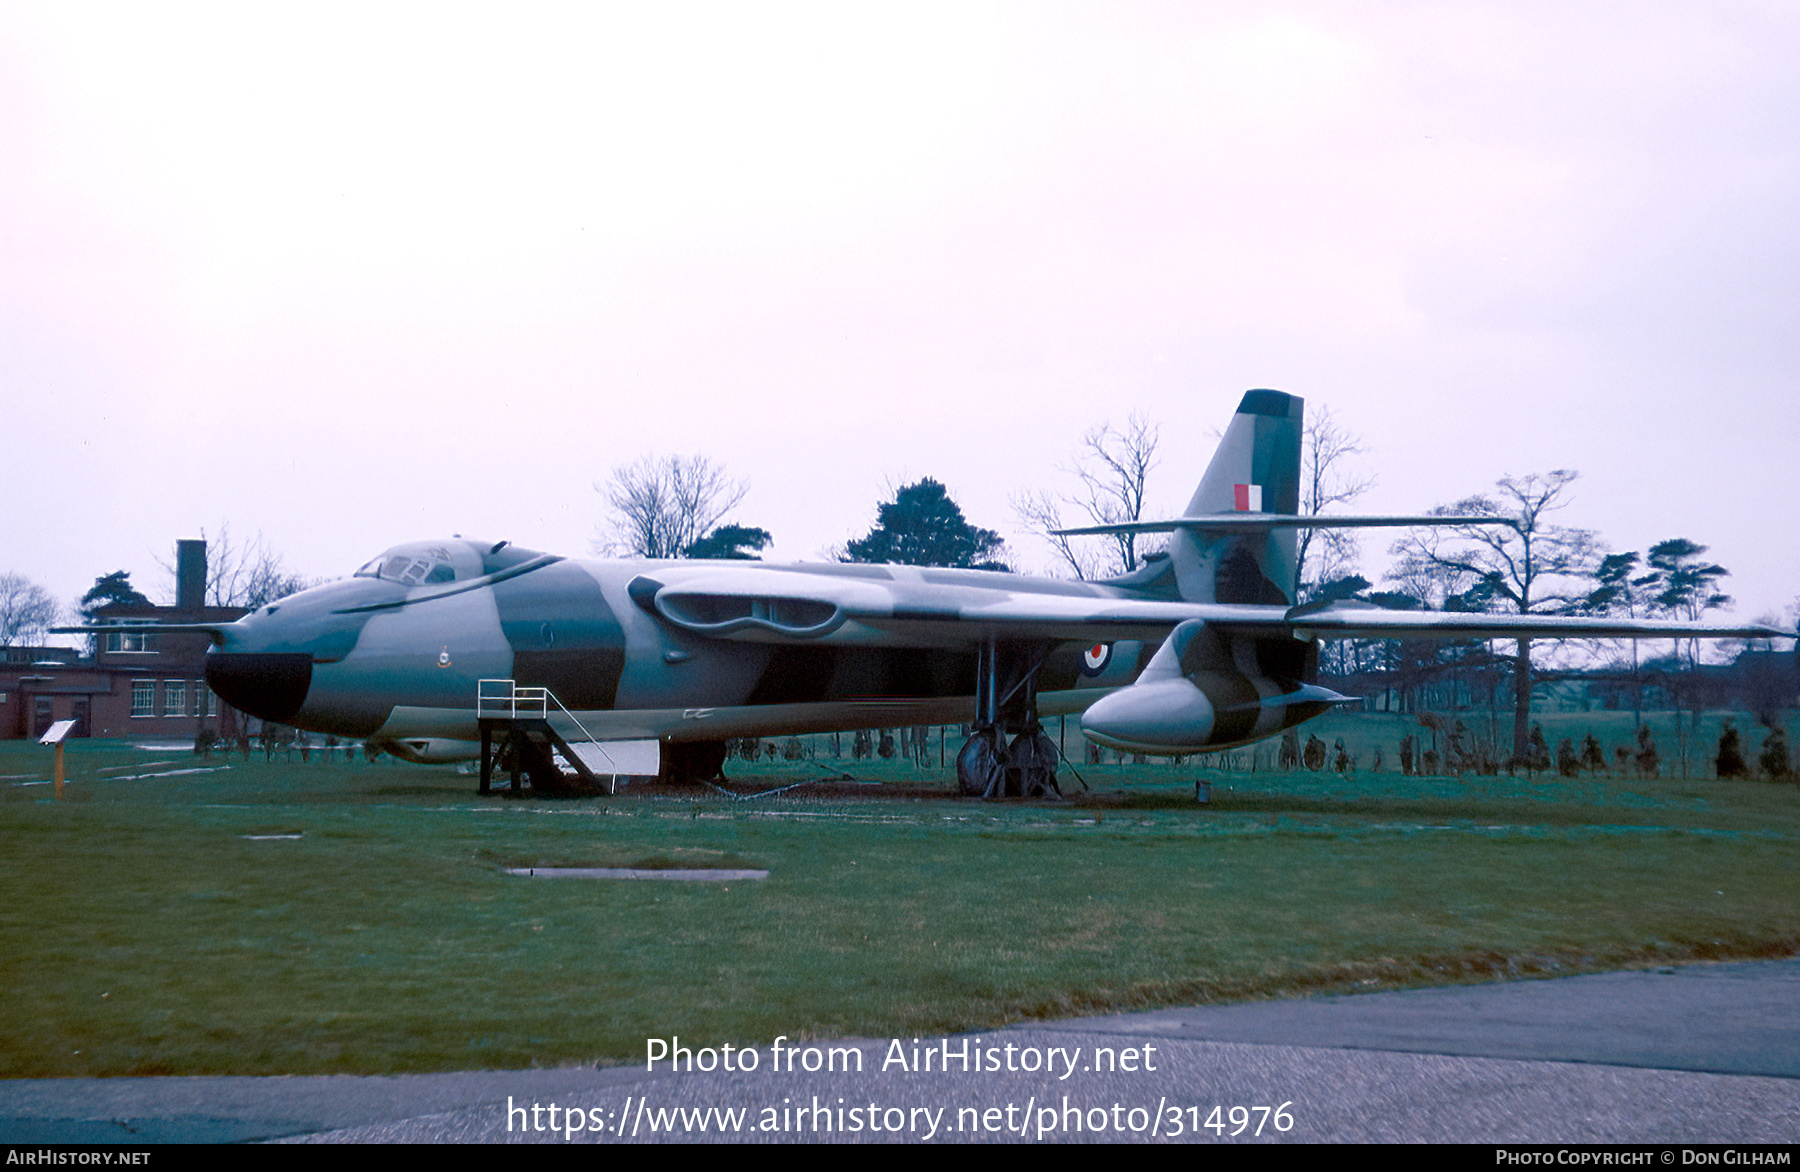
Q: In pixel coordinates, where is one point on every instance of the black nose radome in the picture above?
(269, 685)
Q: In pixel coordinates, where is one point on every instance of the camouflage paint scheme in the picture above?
(1200, 649)
(669, 650)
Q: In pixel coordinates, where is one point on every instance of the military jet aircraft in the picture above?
(1197, 650)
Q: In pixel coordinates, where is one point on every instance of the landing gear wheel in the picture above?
(979, 769)
(688, 763)
(1031, 766)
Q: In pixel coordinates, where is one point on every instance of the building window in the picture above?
(143, 697)
(175, 698)
(131, 641)
(204, 702)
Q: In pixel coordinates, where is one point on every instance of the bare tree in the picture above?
(1416, 663)
(268, 581)
(661, 505)
(1529, 566)
(1042, 513)
(1325, 481)
(27, 610)
(1110, 468)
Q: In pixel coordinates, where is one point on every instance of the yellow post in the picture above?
(55, 735)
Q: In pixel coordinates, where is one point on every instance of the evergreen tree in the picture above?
(731, 543)
(1774, 757)
(114, 589)
(1537, 750)
(922, 526)
(1620, 589)
(1730, 761)
(1685, 586)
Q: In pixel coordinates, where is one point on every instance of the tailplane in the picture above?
(1236, 542)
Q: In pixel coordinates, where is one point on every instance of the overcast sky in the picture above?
(362, 274)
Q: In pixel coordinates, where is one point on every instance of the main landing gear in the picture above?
(1008, 755)
(692, 762)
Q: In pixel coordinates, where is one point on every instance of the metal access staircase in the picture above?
(541, 751)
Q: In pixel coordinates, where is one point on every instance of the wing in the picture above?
(216, 631)
(1252, 522)
(898, 606)
(904, 606)
(1363, 622)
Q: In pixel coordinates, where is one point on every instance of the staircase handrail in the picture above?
(541, 697)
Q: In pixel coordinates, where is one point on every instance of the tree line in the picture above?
(675, 507)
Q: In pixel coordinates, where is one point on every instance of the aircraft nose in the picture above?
(270, 685)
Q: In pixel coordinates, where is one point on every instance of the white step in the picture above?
(620, 758)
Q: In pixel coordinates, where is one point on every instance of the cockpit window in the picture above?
(427, 563)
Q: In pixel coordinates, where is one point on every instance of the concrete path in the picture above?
(1699, 1054)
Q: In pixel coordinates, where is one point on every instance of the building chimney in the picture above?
(190, 576)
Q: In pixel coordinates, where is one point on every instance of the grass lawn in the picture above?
(272, 918)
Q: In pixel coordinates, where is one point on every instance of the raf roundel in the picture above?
(1095, 659)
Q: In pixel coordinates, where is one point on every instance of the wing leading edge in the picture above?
(1255, 522)
(790, 605)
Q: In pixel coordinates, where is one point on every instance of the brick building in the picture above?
(136, 683)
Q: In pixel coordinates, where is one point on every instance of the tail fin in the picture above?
(1255, 470)
(1236, 541)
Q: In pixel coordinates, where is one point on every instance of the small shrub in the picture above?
(1649, 761)
(1730, 760)
(1774, 756)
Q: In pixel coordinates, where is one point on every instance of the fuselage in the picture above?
(399, 650)
(696, 651)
